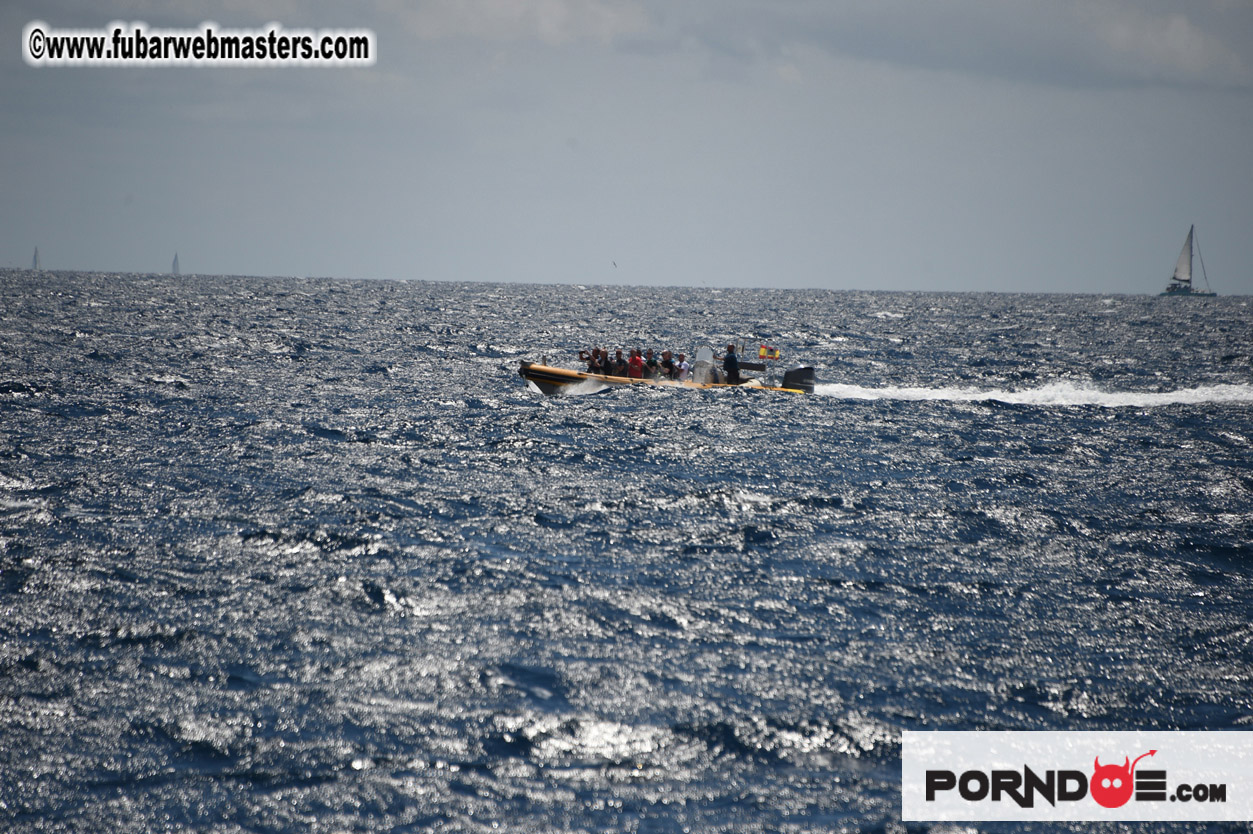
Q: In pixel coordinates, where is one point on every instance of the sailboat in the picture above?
(174, 268)
(34, 262)
(1181, 281)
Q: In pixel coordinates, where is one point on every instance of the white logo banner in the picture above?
(1076, 775)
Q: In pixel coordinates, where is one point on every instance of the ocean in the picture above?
(306, 555)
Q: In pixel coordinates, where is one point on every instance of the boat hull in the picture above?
(553, 381)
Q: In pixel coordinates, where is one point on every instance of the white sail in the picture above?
(1183, 267)
(34, 263)
(174, 268)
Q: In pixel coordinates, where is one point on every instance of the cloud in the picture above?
(1081, 43)
(1166, 47)
(548, 21)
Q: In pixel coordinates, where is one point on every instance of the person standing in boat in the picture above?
(668, 370)
(595, 363)
(652, 368)
(635, 366)
(731, 366)
(682, 368)
(618, 365)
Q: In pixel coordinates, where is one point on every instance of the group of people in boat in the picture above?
(637, 365)
(647, 365)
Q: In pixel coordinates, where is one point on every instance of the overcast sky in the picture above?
(1059, 145)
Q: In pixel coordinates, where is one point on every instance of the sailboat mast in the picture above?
(1205, 277)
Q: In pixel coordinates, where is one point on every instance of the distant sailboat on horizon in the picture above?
(1181, 281)
(34, 262)
(174, 269)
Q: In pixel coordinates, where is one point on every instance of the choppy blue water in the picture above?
(307, 555)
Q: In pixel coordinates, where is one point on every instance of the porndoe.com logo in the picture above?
(1110, 785)
(1007, 776)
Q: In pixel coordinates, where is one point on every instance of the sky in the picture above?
(939, 145)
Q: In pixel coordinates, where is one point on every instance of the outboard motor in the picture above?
(800, 379)
(703, 370)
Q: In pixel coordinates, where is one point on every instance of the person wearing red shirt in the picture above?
(635, 365)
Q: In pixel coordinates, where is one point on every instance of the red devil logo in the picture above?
(1111, 784)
